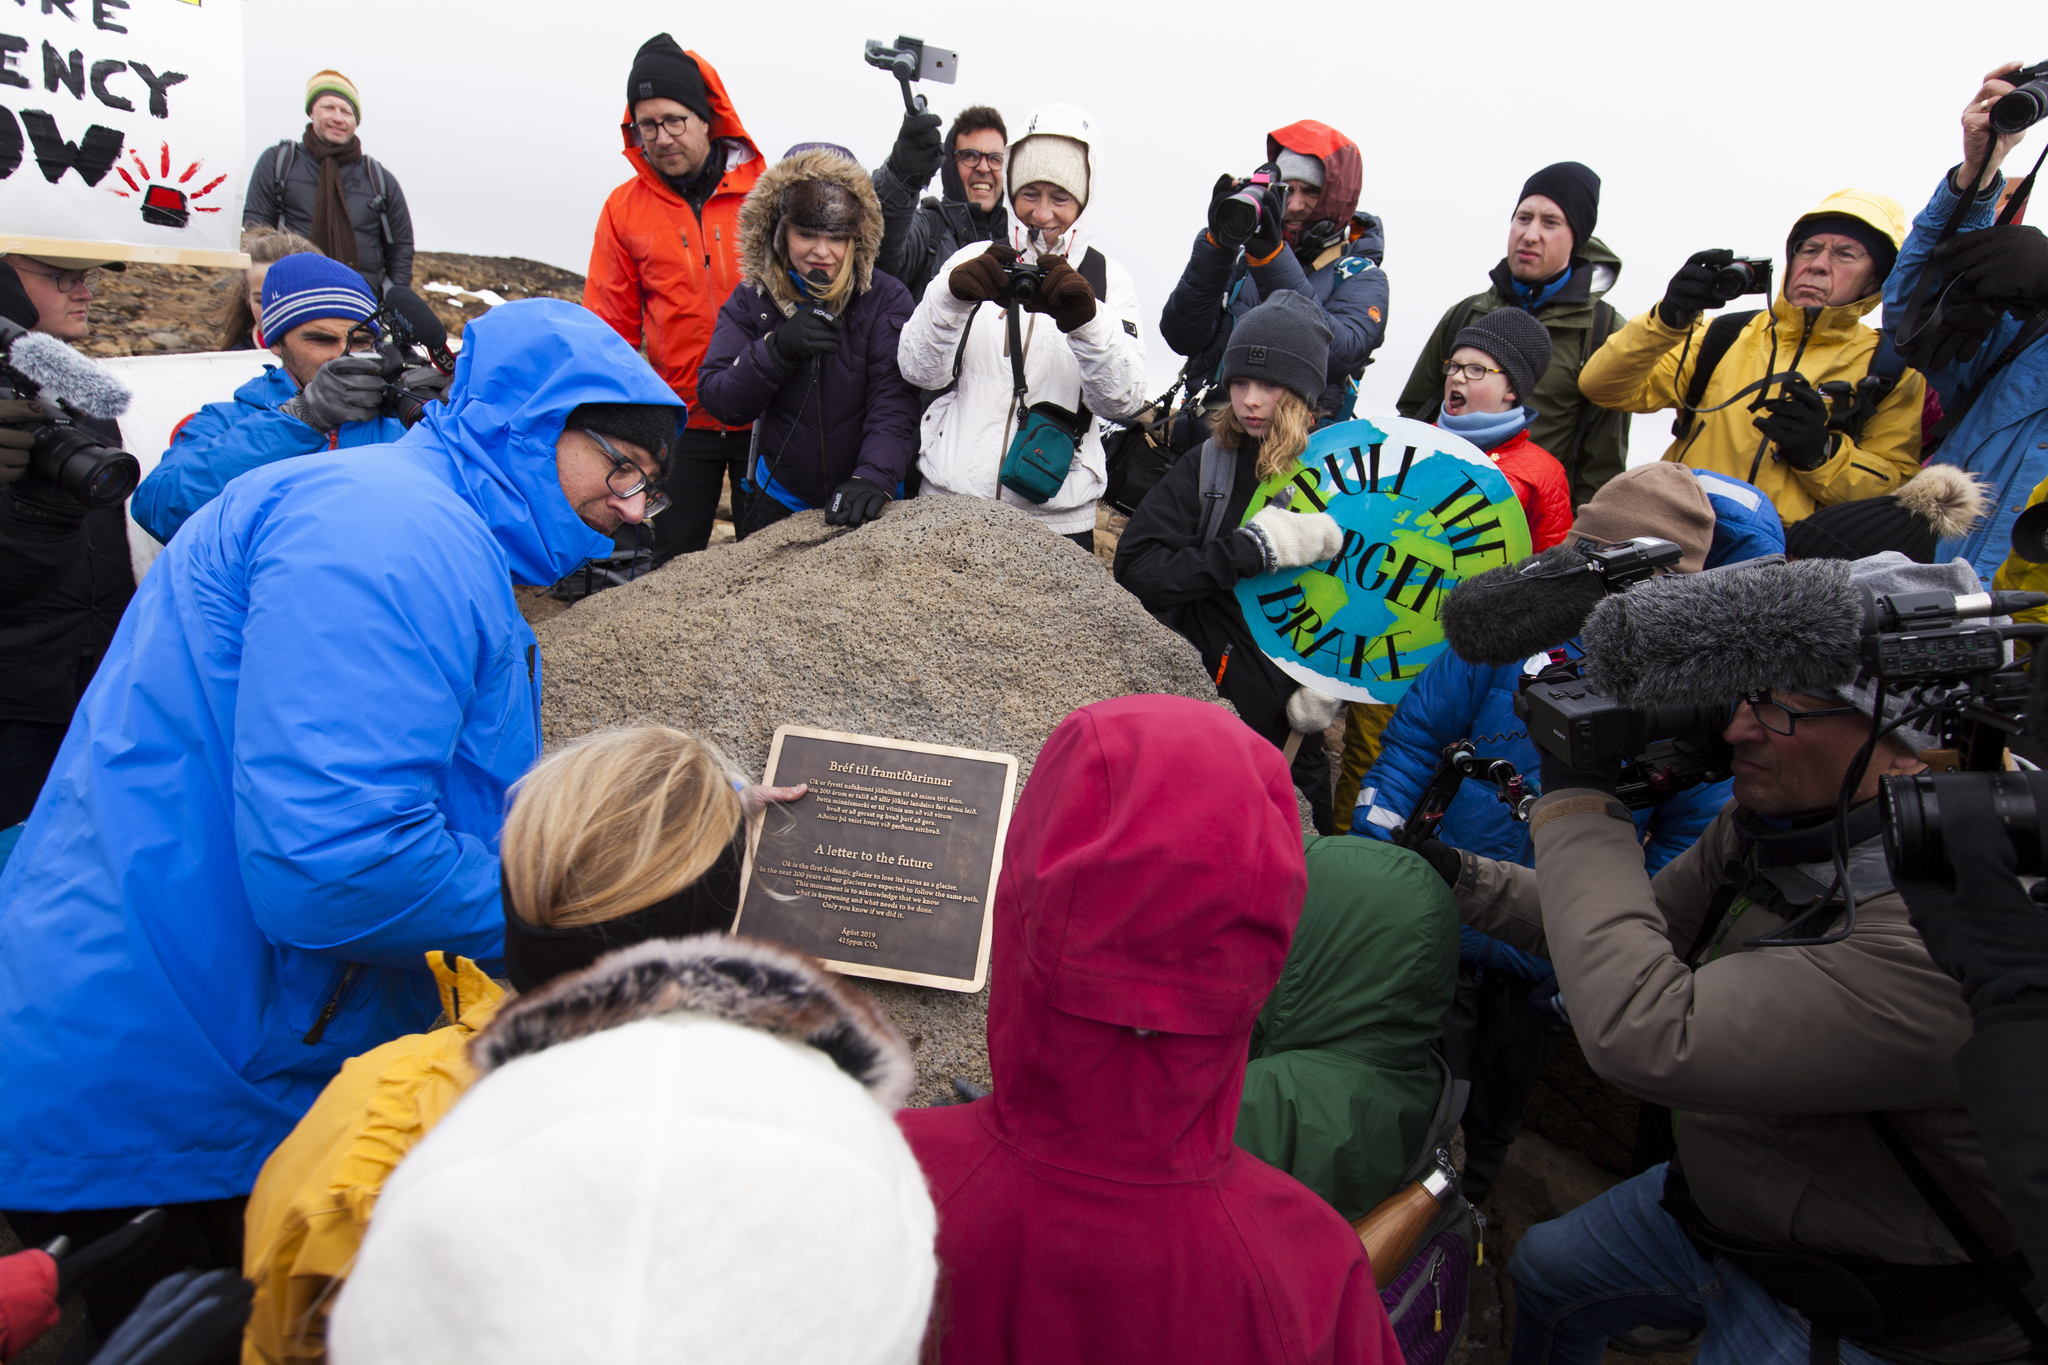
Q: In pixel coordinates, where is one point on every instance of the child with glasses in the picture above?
(1493, 364)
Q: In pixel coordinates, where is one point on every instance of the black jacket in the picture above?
(378, 259)
(1192, 588)
(62, 592)
(918, 237)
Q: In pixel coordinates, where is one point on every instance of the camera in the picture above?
(1743, 275)
(409, 339)
(68, 455)
(1021, 283)
(1237, 217)
(1649, 754)
(2027, 105)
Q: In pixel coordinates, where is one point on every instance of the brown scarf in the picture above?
(332, 231)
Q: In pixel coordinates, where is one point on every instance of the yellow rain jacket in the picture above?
(1639, 370)
(2017, 575)
(312, 1202)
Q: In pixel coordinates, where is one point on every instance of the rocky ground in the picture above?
(167, 309)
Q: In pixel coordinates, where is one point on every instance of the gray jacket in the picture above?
(371, 209)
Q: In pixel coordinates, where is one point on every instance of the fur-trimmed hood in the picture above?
(739, 980)
(1949, 500)
(761, 216)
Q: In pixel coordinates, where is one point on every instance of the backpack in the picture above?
(1427, 1298)
(281, 165)
(1886, 369)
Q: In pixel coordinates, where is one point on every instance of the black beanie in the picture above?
(651, 426)
(1575, 189)
(1284, 341)
(663, 71)
(1939, 503)
(1867, 235)
(1518, 343)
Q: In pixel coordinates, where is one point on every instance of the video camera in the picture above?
(409, 341)
(38, 368)
(910, 60)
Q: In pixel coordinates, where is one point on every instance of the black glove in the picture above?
(1266, 238)
(1063, 295)
(15, 440)
(979, 279)
(1691, 289)
(1962, 323)
(1226, 185)
(1447, 861)
(183, 1320)
(1798, 426)
(1985, 931)
(2007, 265)
(919, 149)
(809, 331)
(349, 388)
(855, 503)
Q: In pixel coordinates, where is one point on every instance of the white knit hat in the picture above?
(674, 1188)
(1056, 160)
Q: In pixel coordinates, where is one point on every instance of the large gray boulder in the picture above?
(949, 620)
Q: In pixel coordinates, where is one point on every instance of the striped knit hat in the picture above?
(334, 83)
(301, 288)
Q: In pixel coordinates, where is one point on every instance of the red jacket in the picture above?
(1095, 1207)
(657, 271)
(1544, 489)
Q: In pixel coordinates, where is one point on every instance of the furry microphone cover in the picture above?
(65, 375)
(1504, 616)
(1707, 638)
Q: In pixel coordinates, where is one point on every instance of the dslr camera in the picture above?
(1743, 275)
(2027, 105)
(1237, 217)
(409, 342)
(65, 453)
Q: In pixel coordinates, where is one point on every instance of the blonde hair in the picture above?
(265, 246)
(1286, 435)
(615, 822)
(840, 289)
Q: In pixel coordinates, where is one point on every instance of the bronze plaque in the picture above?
(887, 867)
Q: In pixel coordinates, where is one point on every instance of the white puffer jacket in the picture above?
(1102, 363)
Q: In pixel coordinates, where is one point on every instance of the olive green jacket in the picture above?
(1341, 1086)
(1578, 324)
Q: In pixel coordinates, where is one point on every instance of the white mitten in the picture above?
(1310, 712)
(1298, 538)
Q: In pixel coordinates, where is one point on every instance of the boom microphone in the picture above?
(1708, 638)
(421, 325)
(61, 373)
(1505, 615)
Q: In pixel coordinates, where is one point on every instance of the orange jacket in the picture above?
(659, 273)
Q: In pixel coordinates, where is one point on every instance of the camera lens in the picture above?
(1238, 216)
(2022, 109)
(1733, 280)
(1911, 806)
(1666, 722)
(97, 475)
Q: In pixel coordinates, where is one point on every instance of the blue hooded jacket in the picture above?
(223, 440)
(2004, 438)
(1455, 699)
(286, 784)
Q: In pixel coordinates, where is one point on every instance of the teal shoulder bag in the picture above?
(1041, 455)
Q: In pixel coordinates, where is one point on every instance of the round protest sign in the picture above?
(1422, 510)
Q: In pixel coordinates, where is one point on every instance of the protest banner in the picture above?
(1422, 510)
(121, 130)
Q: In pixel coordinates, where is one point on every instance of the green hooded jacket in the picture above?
(1341, 1086)
(1578, 323)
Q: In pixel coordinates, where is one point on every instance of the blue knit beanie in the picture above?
(298, 289)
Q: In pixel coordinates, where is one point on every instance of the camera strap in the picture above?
(1925, 300)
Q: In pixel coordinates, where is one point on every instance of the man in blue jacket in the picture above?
(1492, 1039)
(286, 783)
(322, 398)
(1989, 369)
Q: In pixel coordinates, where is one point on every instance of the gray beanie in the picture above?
(1892, 572)
(1284, 341)
(1518, 343)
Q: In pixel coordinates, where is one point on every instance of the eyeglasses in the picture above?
(1843, 254)
(968, 158)
(65, 280)
(1781, 719)
(1475, 373)
(674, 125)
(628, 479)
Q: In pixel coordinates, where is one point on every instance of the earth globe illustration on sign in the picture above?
(1422, 510)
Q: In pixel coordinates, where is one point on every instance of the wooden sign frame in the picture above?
(859, 964)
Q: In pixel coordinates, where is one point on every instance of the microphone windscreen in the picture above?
(427, 329)
(1504, 616)
(1707, 638)
(63, 374)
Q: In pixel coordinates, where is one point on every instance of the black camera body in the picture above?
(70, 456)
(1649, 754)
(1743, 275)
(2026, 105)
(1239, 215)
(1022, 282)
(400, 348)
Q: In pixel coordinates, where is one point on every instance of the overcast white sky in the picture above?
(1710, 126)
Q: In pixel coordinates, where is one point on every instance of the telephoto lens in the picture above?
(1911, 807)
(98, 476)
